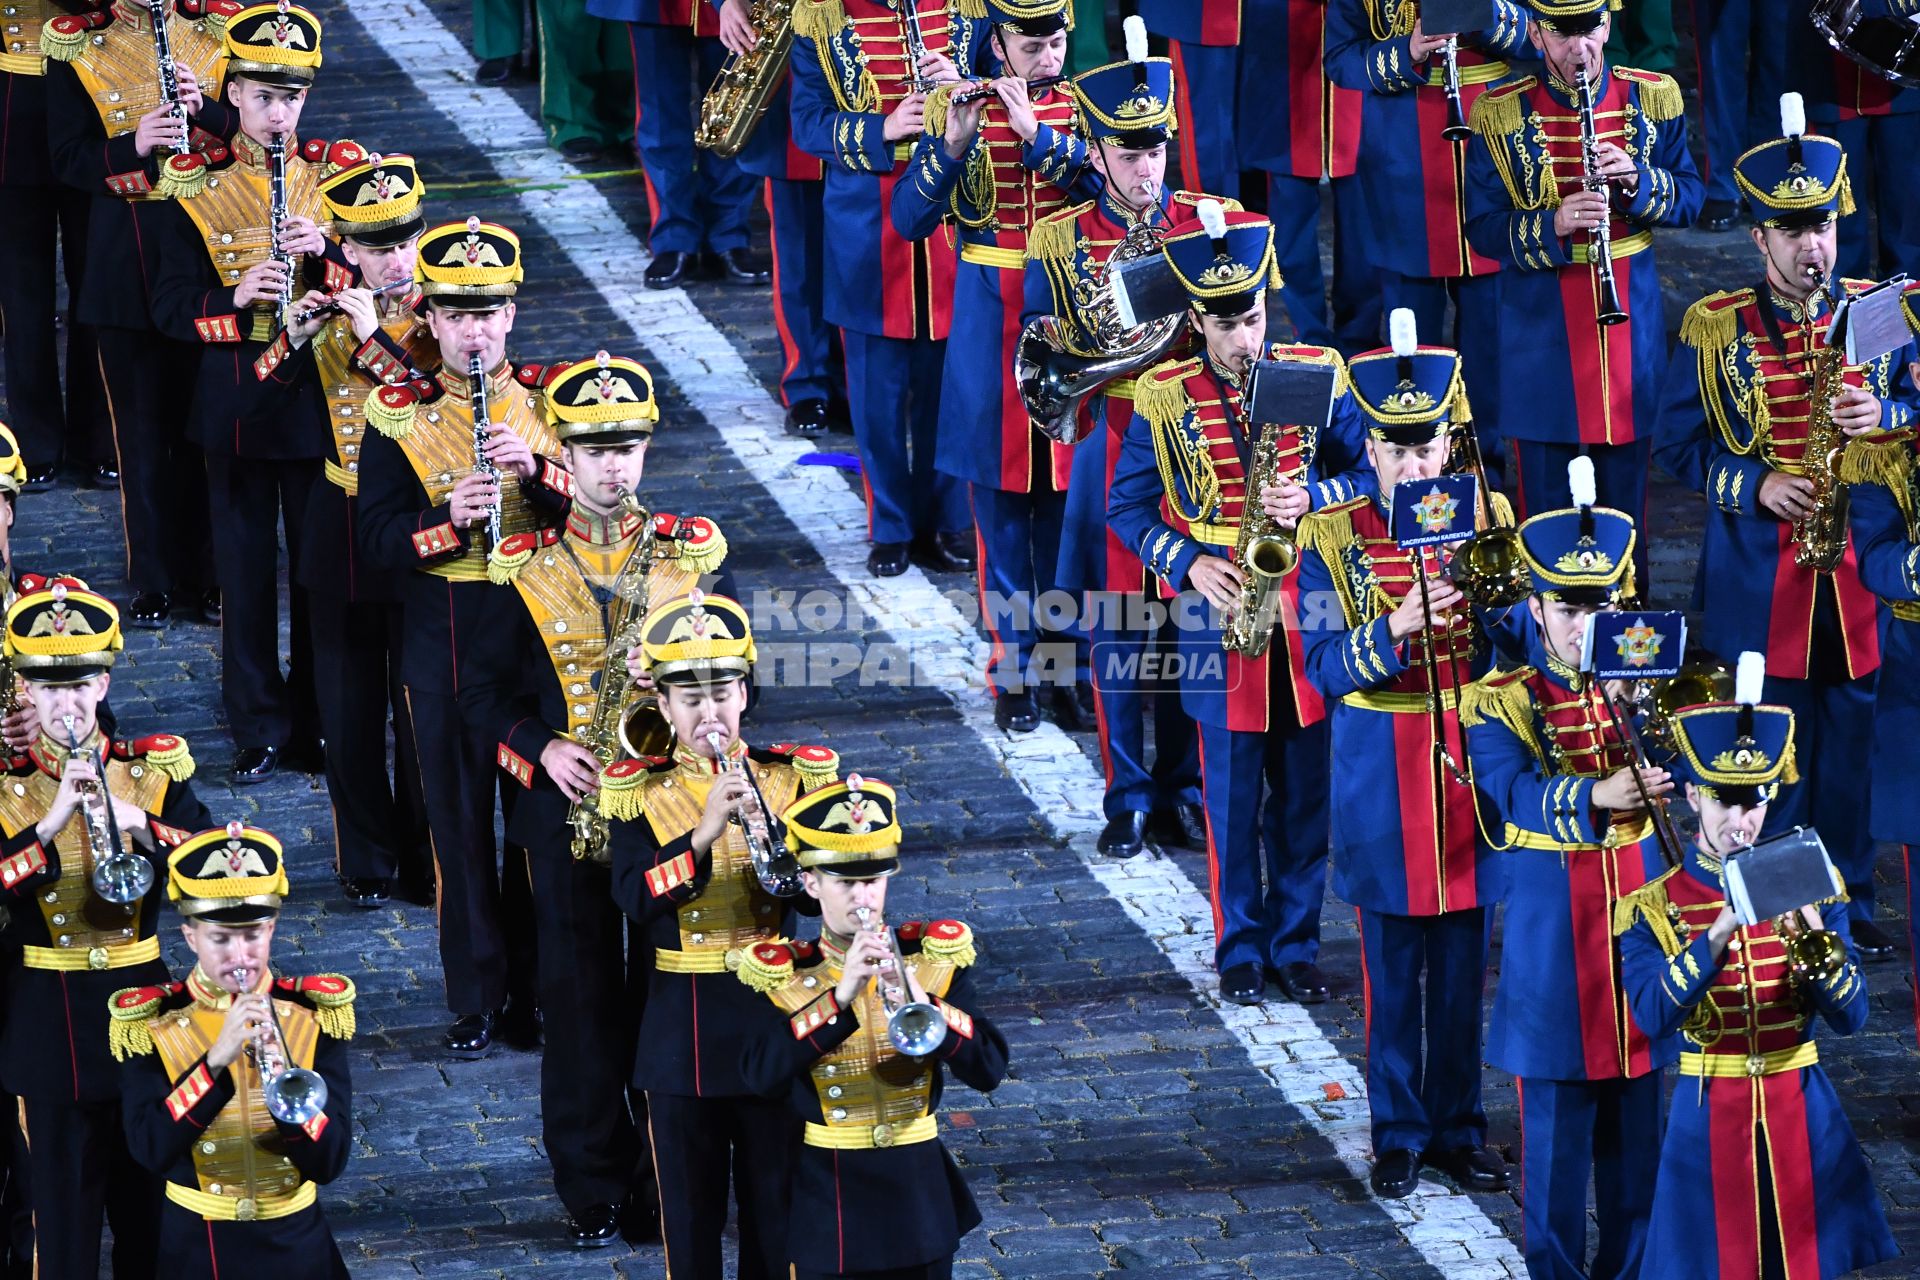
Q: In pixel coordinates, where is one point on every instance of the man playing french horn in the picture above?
(542, 681)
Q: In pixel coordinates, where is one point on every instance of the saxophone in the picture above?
(740, 93)
(626, 614)
(1820, 536)
(1265, 552)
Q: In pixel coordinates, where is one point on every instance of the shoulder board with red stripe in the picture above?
(1521, 85)
(1172, 371)
(1192, 199)
(1638, 76)
(911, 935)
(128, 748)
(1351, 504)
(133, 998)
(345, 154)
(20, 764)
(74, 24)
(665, 523)
(314, 150)
(531, 375)
(1302, 352)
(640, 764)
(316, 984)
(805, 953)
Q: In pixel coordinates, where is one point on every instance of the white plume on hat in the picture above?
(1213, 216)
(1793, 116)
(1750, 678)
(1135, 30)
(1580, 481)
(1402, 332)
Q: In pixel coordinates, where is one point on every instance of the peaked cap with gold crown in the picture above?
(277, 44)
(469, 266)
(605, 400)
(62, 633)
(13, 468)
(697, 639)
(234, 874)
(376, 202)
(849, 829)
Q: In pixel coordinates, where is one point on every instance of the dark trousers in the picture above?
(941, 1270)
(1741, 46)
(297, 1247)
(893, 396)
(1130, 659)
(486, 908)
(16, 1203)
(592, 1005)
(699, 200)
(1833, 737)
(1019, 550)
(163, 484)
(1424, 976)
(699, 1145)
(798, 227)
(379, 822)
(1880, 152)
(1619, 477)
(83, 1176)
(1573, 1130)
(1293, 204)
(247, 499)
(39, 226)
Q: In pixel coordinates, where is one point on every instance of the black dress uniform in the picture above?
(240, 1180)
(68, 949)
(36, 214)
(702, 911)
(101, 79)
(379, 823)
(258, 412)
(421, 445)
(530, 676)
(875, 1194)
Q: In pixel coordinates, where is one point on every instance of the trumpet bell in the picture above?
(917, 1029)
(1816, 953)
(644, 730)
(296, 1095)
(1706, 679)
(123, 878)
(1490, 570)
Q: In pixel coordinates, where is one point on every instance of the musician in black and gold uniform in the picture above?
(377, 338)
(423, 513)
(684, 870)
(538, 686)
(241, 1170)
(874, 1192)
(68, 948)
(235, 285)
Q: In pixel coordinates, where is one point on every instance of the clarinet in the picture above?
(1457, 129)
(1600, 246)
(277, 214)
(482, 431)
(915, 41)
(169, 76)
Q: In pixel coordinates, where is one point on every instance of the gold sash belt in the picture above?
(1624, 247)
(339, 475)
(70, 958)
(1734, 1066)
(867, 1137)
(707, 960)
(230, 1209)
(993, 255)
(1400, 704)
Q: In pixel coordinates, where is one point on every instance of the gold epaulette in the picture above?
(64, 39)
(975, 9)
(1501, 110)
(1501, 507)
(702, 547)
(765, 967)
(1650, 903)
(816, 766)
(1660, 98)
(510, 555)
(1053, 237)
(1713, 323)
(1160, 395)
(1329, 531)
(948, 942)
(622, 793)
(935, 112)
(129, 1011)
(166, 752)
(1885, 461)
(331, 997)
(1501, 697)
(390, 410)
(1192, 199)
(1906, 305)
(818, 19)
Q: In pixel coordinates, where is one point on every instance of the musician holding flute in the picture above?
(1769, 422)
(1555, 773)
(77, 799)
(541, 685)
(702, 868)
(856, 1037)
(236, 1081)
(1582, 339)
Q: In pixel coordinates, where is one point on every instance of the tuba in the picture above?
(745, 85)
(1054, 371)
(1265, 552)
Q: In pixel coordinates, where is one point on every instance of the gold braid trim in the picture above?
(1906, 305)
(1649, 902)
(1053, 238)
(1161, 396)
(333, 1010)
(1501, 697)
(975, 9)
(1328, 533)
(393, 423)
(1714, 322)
(936, 110)
(61, 45)
(761, 977)
(707, 556)
(1660, 96)
(815, 774)
(621, 797)
(1498, 118)
(819, 19)
(503, 565)
(128, 1030)
(958, 952)
(174, 761)
(1884, 462)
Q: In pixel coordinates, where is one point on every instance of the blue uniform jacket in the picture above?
(1890, 567)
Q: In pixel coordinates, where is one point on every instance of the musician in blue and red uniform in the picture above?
(1129, 107)
(1249, 84)
(1743, 56)
(1406, 852)
(855, 106)
(1760, 1174)
(1179, 496)
(1734, 424)
(1576, 385)
(1381, 49)
(1562, 801)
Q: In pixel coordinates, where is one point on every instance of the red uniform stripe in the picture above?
(1219, 22)
(896, 268)
(1593, 976)
(1730, 1163)
(1602, 357)
(1783, 1105)
(999, 651)
(1413, 756)
(1790, 624)
(1306, 88)
(1124, 572)
(1439, 196)
(789, 350)
(1016, 431)
(1213, 847)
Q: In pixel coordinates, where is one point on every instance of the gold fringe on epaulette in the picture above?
(503, 566)
(1649, 902)
(1052, 240)
(707, 557)
(619, 799)
(182, 177)
(1660, 99)
(975, 9)
(815, 774)
(1161, 401)
(1328, 532)
(1497, 114)
(175, 761)
(958, 952)
(819, 19)
(1790, 767)
(934, 114)
(333, 1010)
(1906, 305)
(1501, 697)
(394, 424)
(128, 1033)
(1884, 462)
(761, 977)
(215, 21)
(63, 46)
(1708, 326)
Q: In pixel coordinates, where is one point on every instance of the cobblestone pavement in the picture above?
(1143, 1129)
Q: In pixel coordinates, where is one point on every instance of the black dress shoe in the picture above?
(254, 764)
(807, 417)
(1717, 215)
(594, 1227)
(1125, 834)
(1184, 826)
(640, 1220)
(420, 892)
(367, 891)
(42, 480)
(736, 267)
(493, 70)
(583, 150)
(945, 552)
(1073, 708)
(1243, 984)
(1395, 1174)
(1301, 982)
(1016, 712)
(667, 270)
(106, 476)
(521, 1024)
(149, 610)
(1476, 1168)
(304, 755)
(470, 1036)
(1873, 944)
(209, 604)
(887, 559)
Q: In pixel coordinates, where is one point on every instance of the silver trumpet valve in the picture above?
(916, 1028)
(294, 1095)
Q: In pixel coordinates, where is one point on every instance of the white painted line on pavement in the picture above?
(1449, 1230)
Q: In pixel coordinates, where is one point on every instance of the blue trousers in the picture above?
(806, 339)
(1880, 163)
(1619, 477)
(1266, 801)
(893, 396)
(1424, 1100)
(1019, 537)
(1128, 654)
(1833, 739)
(1743, 70)
(1293, 204)
(699, 199)
(1474, 334)
(1571, 1130)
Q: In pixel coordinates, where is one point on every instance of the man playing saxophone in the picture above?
(538, 681)
(75, 798)
(1179, 497)
(1738, 423)
(693, 854)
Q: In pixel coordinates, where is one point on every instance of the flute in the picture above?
(332, 307)
(985, 89)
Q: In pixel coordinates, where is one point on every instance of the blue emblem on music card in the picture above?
(1431, 512)
(1638, 645)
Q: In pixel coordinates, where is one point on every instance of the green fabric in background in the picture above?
(586, 76)
(1087, 43)
(1643, 36)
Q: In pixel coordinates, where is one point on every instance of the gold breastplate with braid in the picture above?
(119, 72)
(440, 450)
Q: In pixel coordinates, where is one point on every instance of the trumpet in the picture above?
(120, 876)
(776, 867)
(916, 1029)
(294, 1095)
